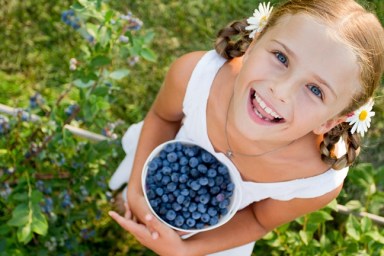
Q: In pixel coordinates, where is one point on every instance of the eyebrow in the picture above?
(318, 78)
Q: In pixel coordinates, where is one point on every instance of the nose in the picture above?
(282, 90)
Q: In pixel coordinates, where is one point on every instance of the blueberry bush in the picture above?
(53, 191)
(89, 64)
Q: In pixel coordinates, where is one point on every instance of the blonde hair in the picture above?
(353, 25)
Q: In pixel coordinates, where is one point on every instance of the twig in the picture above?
(373, 217)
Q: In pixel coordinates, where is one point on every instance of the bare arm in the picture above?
(160, 124)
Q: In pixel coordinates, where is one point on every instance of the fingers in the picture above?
(149, 220)
(138, 230)
(128, 213)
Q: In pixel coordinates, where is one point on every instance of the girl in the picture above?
(283, 107)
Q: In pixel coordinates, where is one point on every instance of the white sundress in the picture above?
(194, 129)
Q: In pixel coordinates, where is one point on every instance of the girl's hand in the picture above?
(152, 234)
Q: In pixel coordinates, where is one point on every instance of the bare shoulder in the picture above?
(272, 213)
(181, 69)
(169, 101)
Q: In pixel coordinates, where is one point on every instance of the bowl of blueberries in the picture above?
(188, 188)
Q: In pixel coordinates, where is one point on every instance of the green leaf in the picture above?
(36, 196)
(79, 83)
(352, 227)
(101, 91)
(100, 61)
(354, 205)
(366, 224)
(108, 15)
(319, 217)
(148, 54)
(19, 216)
(305, 236)
(39, 223)
(149, 37)
(20, 196)
(24, 234)
(333, 205)
(119, 74)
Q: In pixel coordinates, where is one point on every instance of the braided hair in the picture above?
(354, 26)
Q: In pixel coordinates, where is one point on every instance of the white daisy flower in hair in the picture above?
(259, 19)
(361, 118)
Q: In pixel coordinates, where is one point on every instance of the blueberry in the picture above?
(183, 161)
(193, 162)
(224, 204)
(170, 147)
(202, 168)
(165, 180)
(214, 220)
(166, 163)
(230, 186)
(159, 191)
(211, 173)
(201, 208)
(195, 185)
(190, 222)
(184, 192)
(202, 191)
(214, 190)
(185, 169)
(175, 166)
(220, 197)
(199, 225)
(171, 187)
(175, 177)
(166, 170)
(179, 221)
(186, 214)
(170, 215)
(196, 215)
(192, 207)
(172, 157)
(203, 181)
(212, 211)
(176, 206)
(158, 176)
(162, 155)
(205, 217)
(151, 194)
(219, 180)
(180, 199)
(222, 169)
(204, 199)
(194, 173)
(207, 157)
(164, 198)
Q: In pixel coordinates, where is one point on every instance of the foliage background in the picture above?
(34, 57)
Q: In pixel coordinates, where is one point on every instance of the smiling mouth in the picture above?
(261, 109)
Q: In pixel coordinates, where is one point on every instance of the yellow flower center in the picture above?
(263, 20)
(363, 115)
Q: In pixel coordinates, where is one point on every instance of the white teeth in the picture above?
(266, 109)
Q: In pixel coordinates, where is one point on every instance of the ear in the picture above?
(327, 126)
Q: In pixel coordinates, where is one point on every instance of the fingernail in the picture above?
(155, 235)
(148, 217)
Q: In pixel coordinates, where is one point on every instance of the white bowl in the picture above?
(234, 200)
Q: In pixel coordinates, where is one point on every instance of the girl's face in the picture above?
(295, 79)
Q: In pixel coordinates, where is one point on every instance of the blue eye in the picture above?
(281, 57)
(316, 91)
